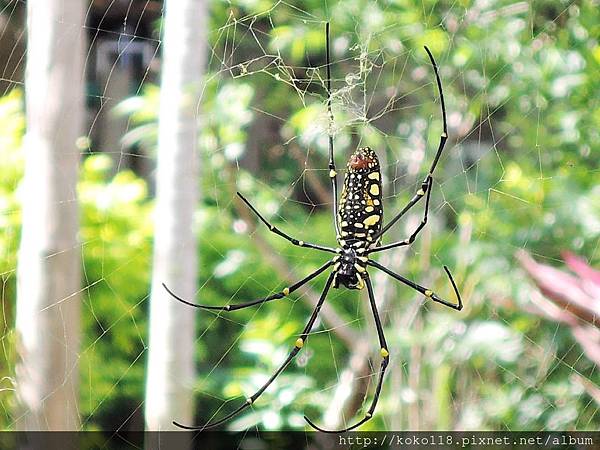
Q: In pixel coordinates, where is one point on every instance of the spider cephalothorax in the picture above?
(358, 223)
(349, 269)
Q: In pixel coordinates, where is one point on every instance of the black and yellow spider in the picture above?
(358, 224)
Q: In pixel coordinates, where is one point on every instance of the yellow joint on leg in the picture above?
(368, 415)
(361, 282)
(384, 353)
(299, 343)
(420, 192)
(428, 293)
(301, 243)
(249, 401)
(332, 173)
(286, 291)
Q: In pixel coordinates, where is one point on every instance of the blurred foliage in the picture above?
(116, 233)
(519, 172)
(12, 125)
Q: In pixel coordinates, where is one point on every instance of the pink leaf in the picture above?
(581, 267)
(562, 288)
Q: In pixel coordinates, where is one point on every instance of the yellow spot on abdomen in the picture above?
(373, 176)
(371, 220)
(374, 189)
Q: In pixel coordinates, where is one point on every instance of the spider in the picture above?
(358, 222)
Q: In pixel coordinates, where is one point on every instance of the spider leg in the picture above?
(384, 363)
(427, 182)
(332, 171)
(297, 347)
(444, 135)
(285, 292)
(413, 236)
(423, 290)
(286, 236)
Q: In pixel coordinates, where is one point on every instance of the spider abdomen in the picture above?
(361, 211)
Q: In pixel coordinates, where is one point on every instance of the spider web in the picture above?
(498, 364)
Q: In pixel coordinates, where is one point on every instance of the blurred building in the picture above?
(123, 45)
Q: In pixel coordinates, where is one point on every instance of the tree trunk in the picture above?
(170, 376)
(48, 274)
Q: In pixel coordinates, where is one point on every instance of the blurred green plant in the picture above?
(520, 171)
(116, 232)
(12, 125)
(523, 115)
